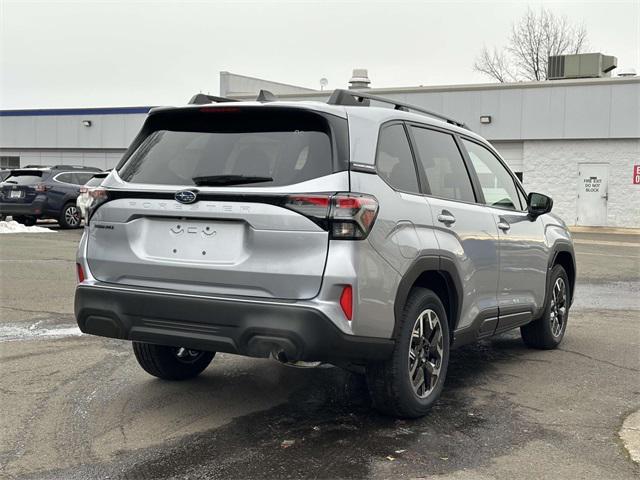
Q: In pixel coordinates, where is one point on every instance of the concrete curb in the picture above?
(608, 230)
(630, 435)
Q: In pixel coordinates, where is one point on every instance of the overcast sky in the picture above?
(89, 53)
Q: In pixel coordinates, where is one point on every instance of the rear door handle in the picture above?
(503, 225)
(446, 218)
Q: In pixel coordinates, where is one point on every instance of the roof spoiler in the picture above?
(352, 98)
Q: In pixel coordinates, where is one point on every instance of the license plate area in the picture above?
(194, 241)
(16, 194)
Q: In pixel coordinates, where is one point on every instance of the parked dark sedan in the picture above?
(29, 194)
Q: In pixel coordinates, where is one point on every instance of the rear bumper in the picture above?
(250, 328)
(35, 208)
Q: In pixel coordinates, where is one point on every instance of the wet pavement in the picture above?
(78, 407)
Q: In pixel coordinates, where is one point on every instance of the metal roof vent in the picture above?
(581, 65)
(627, 72)
(359, 79)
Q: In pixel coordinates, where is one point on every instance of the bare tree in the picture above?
(535, 37)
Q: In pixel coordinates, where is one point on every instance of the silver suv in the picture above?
(372, 238)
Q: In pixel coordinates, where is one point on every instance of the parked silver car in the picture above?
(372, 238)
(85, 192)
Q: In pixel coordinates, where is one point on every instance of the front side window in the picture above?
(497, 185)
(394, 161)
(443, 165)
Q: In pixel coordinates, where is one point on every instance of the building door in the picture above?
(593, 193)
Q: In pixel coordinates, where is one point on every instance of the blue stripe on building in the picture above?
(74, 111)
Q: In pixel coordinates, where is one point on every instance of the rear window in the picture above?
(24, 178)
(287, 146)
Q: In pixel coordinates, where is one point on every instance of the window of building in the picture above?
(9, 162)
(394, 160)
(443, 165)
(497, 185)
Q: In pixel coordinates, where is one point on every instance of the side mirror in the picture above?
(538, 204)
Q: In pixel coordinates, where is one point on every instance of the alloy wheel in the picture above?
(425, 353)
(187, 355)
(72, 216)
(558, 307)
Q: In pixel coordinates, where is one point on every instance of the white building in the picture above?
(577, 140)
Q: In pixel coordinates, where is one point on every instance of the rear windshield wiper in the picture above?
(215, 180)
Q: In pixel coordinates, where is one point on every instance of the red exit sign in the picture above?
(636, 174)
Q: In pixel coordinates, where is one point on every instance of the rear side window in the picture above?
(26, 178)
(394, 161)
(443, 165)
(81, 178)
(279, 146)
(95, 181)
(65, 178)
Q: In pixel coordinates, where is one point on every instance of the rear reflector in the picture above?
(346, 301)
(80, 273)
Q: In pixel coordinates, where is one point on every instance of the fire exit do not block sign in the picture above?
(636, 174)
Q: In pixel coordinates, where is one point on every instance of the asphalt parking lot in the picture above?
(79, 407)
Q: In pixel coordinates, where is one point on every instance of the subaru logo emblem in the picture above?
(185, 196)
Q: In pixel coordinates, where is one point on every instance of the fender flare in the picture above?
(558, 247)
(431, 263)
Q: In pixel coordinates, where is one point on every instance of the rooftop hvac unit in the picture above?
(581, 65)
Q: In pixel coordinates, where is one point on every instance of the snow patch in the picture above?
(15, 227)
(10, 333)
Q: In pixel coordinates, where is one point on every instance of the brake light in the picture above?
(347, 216)
(41, 187)
(220, 109)
(83, 190)
(346, 301)
(80, 273)
(316, 206)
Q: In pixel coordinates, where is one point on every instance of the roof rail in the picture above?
(357, 98)
(202, 99)
(75, 167)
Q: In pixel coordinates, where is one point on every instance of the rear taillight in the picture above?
(97, 196)
(83, 190)
(41, 187)
(352, 216)
(347, 216)
(80, 273)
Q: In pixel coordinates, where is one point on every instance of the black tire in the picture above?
(30, 221)
(2, 217)
(390, 383)
(164, 362)
(70, 216)
(20, 219)
(543, 333)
